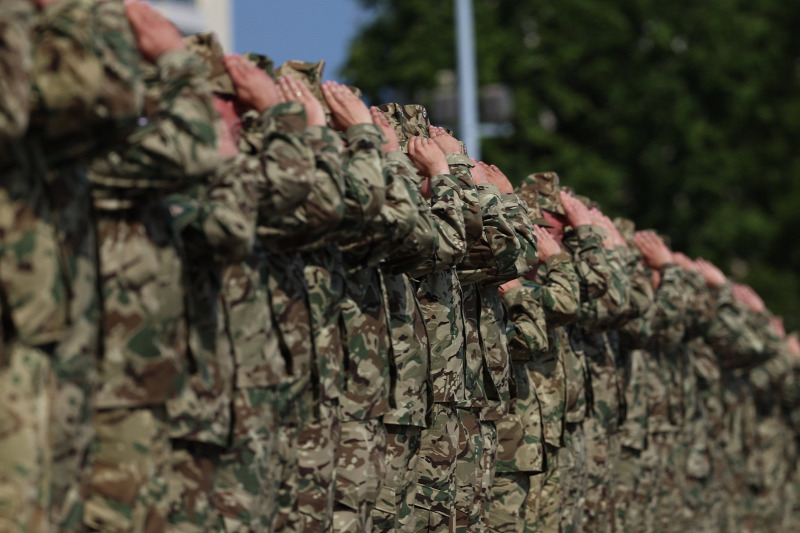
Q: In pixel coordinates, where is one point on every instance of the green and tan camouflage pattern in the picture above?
(360, 473)
(394, 509)
(209, 49)
(436, 484)
(17, 18)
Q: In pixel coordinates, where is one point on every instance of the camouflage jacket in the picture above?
(144, 323)
(520, 432)
(16, 19)
(605, 295)
(517, 213)
(439, 292)
(661, 329)
(557, 289)
(492, 259)
(412, 395)
(217, 227)
(633, 432)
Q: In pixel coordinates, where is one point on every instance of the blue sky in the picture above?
(309, 30)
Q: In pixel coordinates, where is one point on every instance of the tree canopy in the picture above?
(682, 116)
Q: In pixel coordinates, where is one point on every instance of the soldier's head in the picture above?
(207, 47)
(547, 186)
(307, 73)
(410, 120)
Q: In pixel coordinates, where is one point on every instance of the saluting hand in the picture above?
(155, 34)
(293, 90)
(380, 120)
(446, 142)
(254, 87)
(577, 213)
(346, 108)
(655, 252)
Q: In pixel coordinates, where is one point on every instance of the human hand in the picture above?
(446, 142)
(547, 245)
(777, 325)
(478, 173)
(713, 275)
(577, 213)
(616, 235)
(41, 4)
(497, 178)
(155, 34)
(346, 108)
(683, 261)
(793, 343)
(293, 90)
(227, 127)
(748, 297)
(507, 286)
(380, 120)
(427, 157)
(655, 252)
(254, 87)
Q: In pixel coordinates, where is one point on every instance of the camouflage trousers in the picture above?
(436, 483)
(27, 387)
(507, 507)
(629, 514)
(317, 439)
(694, 514)
(129, 484)
(574, 471)
(360, 471)
(648, 489)
(672, 483)
(394, 510)
(249, 475)
(545, 496)
(468, 470)
(602, 452)
(488, 471)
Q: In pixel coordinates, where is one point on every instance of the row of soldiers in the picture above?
(234, 298)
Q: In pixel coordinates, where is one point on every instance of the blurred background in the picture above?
(683, 116)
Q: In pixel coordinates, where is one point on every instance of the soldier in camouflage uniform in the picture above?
(271, 175)
(629, 511)
(142, 442)
(540, 382)
(83, 91)
(439, 295)
(394, 510)
(303, 297)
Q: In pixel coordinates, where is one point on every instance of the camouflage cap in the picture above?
(263, 62)
(528, 193)
(410, 120)
(547, 184)
(627, 228)
(207, 46)
(307, 73)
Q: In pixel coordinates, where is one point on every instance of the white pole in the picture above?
(467, 78)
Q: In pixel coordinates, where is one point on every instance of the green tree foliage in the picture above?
(684, 116)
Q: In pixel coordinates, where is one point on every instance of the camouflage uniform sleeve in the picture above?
(365, 186)
(178, 141)
(602, 311)
(277, 138)
(730, 333)
(634, 328)
(421, 243)
(526, 316)
(560, 290)
(667, 318)
(460, 166)
(517, 214)
(224, 212)
(492, 260)
(322, 210)
(585, 243)
(396, 220)
(87, 82)
(16, 19)
(448, 217)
